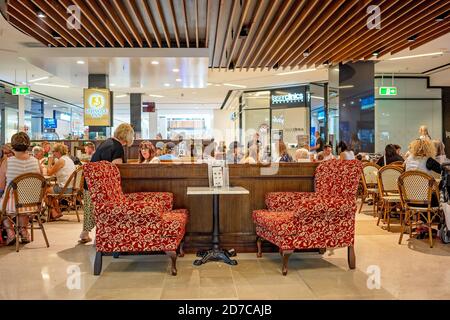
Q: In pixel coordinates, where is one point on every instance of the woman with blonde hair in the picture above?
(283, 154)
(62, 168)
(440, 151)
(112, 150)
(422, 153)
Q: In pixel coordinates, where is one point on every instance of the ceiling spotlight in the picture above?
(154, 62)
(122, 96)
(56, 35)
(155, 96)
(41, 15)
(178, 80)
(306, 53)
(80, 62)
(441, 17)
(244, 31)
(412, 38)
(176, 70)
(326, 63)
(166, 84)
(376, 53)
(112, 85)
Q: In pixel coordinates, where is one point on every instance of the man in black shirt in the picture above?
(319, 143)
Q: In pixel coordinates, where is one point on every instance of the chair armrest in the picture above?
(286, 201)
(327, 209)
(133, 212)
(165, 198)
(174, 223)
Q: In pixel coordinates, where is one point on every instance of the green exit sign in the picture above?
(388, 91)
(20, 91)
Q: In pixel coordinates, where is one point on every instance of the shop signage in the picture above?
(97, 108)
(20, 91)
(388, 91)
(288, 97)
(148, 107)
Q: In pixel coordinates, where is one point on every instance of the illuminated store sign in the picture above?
(288, 97)
(97, 109)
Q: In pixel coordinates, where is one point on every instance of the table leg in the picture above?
(215, 254)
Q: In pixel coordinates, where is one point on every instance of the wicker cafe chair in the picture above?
(369, 179)
(28, 192)
(79, 189)
(71, 197)
(397, 163)
(388, 192)
(416, 191)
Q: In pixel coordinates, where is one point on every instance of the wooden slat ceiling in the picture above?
(240, 34)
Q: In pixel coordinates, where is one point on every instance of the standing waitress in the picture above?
(111, 150)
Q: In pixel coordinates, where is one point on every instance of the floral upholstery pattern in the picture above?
(135, 222)
(308, 220)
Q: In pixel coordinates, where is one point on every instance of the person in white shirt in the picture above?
(345, 154)
(62, 168)
(421, 156)
(327, 153)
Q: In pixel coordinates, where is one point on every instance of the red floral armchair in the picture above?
(136, 222)
(313, 220)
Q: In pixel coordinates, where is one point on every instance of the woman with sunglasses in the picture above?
(147, 152)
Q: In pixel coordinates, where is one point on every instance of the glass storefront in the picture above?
(291, 114)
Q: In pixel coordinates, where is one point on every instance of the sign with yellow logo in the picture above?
(97, 109)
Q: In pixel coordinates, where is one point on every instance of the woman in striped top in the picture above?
(10, 169)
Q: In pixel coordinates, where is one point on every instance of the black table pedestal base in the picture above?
(214, 255)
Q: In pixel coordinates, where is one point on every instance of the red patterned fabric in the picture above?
(308, 220)
(135, 222)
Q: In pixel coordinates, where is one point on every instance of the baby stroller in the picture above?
(444, 227)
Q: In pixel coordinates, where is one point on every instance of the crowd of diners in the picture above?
(18, 157)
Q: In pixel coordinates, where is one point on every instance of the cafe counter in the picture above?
(236, 226)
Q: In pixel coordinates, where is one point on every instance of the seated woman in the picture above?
(147, 152)
(283, 154)
(251, 156)
(440, 151)
(62, 169)
(20, 163)
(302, 155)
(390, 155)
(346, 153)
(421, 156)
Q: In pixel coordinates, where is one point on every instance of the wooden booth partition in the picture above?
(236, 226)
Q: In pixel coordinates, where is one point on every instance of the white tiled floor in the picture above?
(408, 271)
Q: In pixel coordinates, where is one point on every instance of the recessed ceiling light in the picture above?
(234, 85)
(418, 55)
(41, 15)
(45, 102)
(51, 85)
(375, 53)
(155, 62)
(155, 96)
(166, 84)
(306, 53)
(112, 85)
(209, 84)
(347, 86)
(412, 38)
(293, 72)
(122, 96)
(38, 79)
(80, 62)
(178, 80)
(217, 85)
(176, 70)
